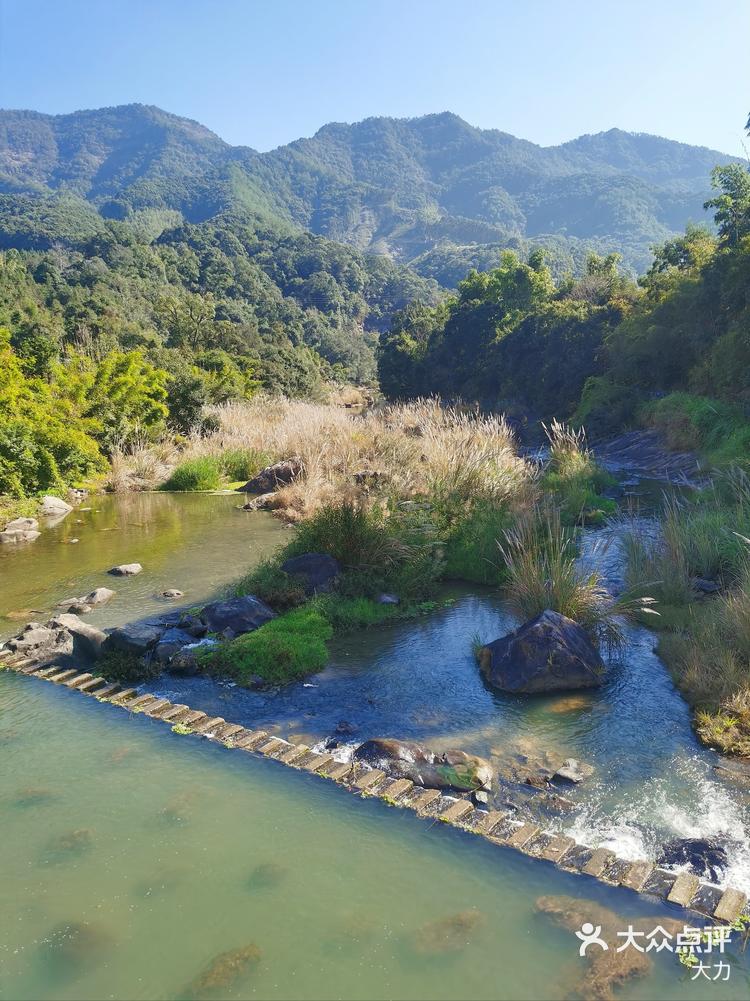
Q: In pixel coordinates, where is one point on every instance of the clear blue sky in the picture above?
(264, 73)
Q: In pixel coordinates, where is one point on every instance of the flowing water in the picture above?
(184, 850)
(176, 828)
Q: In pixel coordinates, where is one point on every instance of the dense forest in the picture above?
(434, 191)
(147, 271)
(601, 348)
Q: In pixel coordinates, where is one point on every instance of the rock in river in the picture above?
(53, 507)
(236, 615)
(706, 857)
(126, 570)
(317, 570)
(87, 639)
(574, 771)
(136, 637)
(20, 530)
(436, 769)
(549, 653)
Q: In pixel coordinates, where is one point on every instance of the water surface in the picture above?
(165, 877)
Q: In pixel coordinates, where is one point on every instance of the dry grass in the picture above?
(141, 465)
(408, 452)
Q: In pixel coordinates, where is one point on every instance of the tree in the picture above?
(732, 215)
(189, 319)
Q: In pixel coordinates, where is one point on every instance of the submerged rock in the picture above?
(34, 796)
(447, 935)
(171, 593)
(706, 857)
(70, 845)
(266, 875)
(272, 477)
(318, 571)
(549, 653)
(74, 945)
(435, 769)
(126, 570)
(223, 973)
(236, 615)
(604, 970)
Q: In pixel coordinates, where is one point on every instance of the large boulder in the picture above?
(87, 639)
(236, 615)
(318, 571)
(435, 769)
(548, 654)
(136, 638)
(20, 530)
(53, 507)
(171, 641)
(272, 477)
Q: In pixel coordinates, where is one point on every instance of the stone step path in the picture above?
(681, 889)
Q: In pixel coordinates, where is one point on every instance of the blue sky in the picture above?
(264, 73)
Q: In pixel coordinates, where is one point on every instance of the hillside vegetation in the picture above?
(433, 191)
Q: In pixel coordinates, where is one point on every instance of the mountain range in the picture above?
(433, 192)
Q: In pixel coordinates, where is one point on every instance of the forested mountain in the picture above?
(433, 191)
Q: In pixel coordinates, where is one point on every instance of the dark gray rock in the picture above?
(272, 477)
(705, 586)
(318, 571)
(172, 640)
(706, 857)
(236, 615)
(549, 653)
(137, 638)
(451, 769)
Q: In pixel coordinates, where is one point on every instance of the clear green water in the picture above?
(176, 827)
(196, 543)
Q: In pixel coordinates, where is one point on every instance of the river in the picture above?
(162, 879)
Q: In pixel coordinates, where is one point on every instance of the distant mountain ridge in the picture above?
(434, 191)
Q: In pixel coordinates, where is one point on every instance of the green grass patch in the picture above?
(283, 650)
(116, 665)
(239, 465)
(719, 431)
(202, 473)
(471, 550)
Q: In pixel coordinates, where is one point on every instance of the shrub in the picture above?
(242, 463)
(540, 561)
(573, 475)
(283, 650)
(471, 549)
(355, 535)
(271, 584)
(116, 665)
(201, 473)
